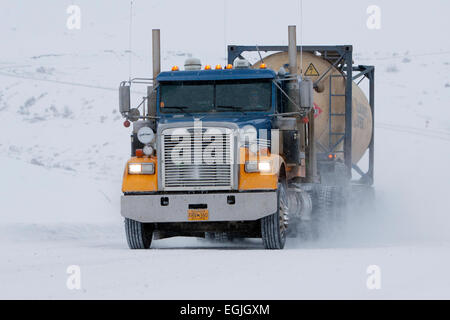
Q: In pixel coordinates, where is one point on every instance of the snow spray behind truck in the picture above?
(262, 151)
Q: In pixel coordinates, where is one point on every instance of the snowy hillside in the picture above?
(63, 148)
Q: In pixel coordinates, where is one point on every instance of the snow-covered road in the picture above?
(55, 225)
(185, 269)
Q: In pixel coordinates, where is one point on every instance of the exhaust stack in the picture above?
(292, 49)
(292, 85)
(156, 52)
(156, 62)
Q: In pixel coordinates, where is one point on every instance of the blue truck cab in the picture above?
(213, 168)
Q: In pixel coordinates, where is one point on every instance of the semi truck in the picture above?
(266, 150)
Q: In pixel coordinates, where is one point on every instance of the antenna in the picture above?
(301, 37)
(225, 29)
(259, 52)
(129, 39)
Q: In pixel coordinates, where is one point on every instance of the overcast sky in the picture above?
(203, 26)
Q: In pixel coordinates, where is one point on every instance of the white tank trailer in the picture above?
(340, 132)
(329, 113)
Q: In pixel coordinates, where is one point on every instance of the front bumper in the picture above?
(248, 206)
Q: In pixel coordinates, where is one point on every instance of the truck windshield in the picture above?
(215, 96)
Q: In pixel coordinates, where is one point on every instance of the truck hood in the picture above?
(259, 121)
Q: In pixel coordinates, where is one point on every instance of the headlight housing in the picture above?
(141, 168)
(255, 166)
(251, 166)
(265, 166)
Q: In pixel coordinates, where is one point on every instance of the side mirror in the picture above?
(306, 86)
(124, 99)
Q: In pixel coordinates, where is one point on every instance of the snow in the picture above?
(63, 150)
(246, 272)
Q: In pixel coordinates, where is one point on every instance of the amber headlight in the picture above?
(141, 168)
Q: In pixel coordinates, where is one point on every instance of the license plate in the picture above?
(198, 214)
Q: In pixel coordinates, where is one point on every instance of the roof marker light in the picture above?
(175, 68)
(207, 67)
(331, 156)
(229, 66)
(262, 66)
(218, 66)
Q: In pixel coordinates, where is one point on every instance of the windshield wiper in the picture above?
(182, 108)
(232, 108)
(179, 108)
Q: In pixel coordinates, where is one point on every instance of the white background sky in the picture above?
(197, 26)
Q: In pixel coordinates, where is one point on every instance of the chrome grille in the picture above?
(201, 161)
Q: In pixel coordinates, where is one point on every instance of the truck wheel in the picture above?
(326, 212)
(139, 235)
(274, 227)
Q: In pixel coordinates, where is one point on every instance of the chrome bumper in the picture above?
(247, 206)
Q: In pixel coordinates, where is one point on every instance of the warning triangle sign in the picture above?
(311, 71)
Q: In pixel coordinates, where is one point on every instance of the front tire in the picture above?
(139, 235)
(274, 227)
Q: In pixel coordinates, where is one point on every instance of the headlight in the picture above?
(262, 166)
(265, 166)
(141, 168)
(251, 166)
(145, 135)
